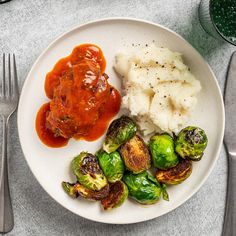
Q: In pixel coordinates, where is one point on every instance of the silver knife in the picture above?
(229, 227)
(3, 1)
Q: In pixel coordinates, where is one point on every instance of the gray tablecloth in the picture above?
(26, 28)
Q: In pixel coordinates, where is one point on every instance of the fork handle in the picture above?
(229, 227)
(6, 212)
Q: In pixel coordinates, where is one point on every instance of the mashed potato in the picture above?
(160, 91)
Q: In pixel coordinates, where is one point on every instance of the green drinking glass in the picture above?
(218, 18)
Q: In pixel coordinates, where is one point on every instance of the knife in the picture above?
(229, 227)
(4, 1)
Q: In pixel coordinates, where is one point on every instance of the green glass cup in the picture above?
(218, 18)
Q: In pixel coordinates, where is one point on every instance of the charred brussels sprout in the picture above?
(75, 190)
(144, 188)
(111, 164)
(177, 174)
(120, 131)
(162, 151)
(69, 189)
(191, 143)
(135, 155)
(117, 195)
(88, 172)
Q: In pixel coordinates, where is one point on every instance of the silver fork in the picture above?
(9, 97)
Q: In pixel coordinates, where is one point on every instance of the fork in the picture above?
(9, 96)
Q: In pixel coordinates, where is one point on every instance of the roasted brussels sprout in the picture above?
(177, 174)
(88, 172)
(162, 151)
(75, 190)
(191, 142)
(144, 188)
(111, 164)
(69, 189)
(135, 155)
(117, 195)
(119, 132)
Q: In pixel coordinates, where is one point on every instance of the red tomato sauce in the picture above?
(82, 101)
(45, 134)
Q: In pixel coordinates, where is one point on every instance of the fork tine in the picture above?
(15, 78)
(3, 76)
(9, 75)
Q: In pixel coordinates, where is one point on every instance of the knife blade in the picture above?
(4, 1)
(229, 226)
(230, 106)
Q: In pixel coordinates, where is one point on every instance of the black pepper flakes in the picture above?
(150, 85)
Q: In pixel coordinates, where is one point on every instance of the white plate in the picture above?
(52, 166)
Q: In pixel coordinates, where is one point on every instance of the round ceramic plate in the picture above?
(51, 166)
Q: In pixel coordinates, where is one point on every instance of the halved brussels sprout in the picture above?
(88, 172)
(117, 195)
(92, 194)
(75, 190)
(162, 151)
(69, 189)
(136, 155)
(177, 174)
(120, 131)
(191, 143)
(144, 188)
(111, 164)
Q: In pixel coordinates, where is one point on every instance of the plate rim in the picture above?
(135, 20)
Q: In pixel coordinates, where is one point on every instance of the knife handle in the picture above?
(229, 227)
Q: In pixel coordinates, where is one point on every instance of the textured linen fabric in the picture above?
(26, 28)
